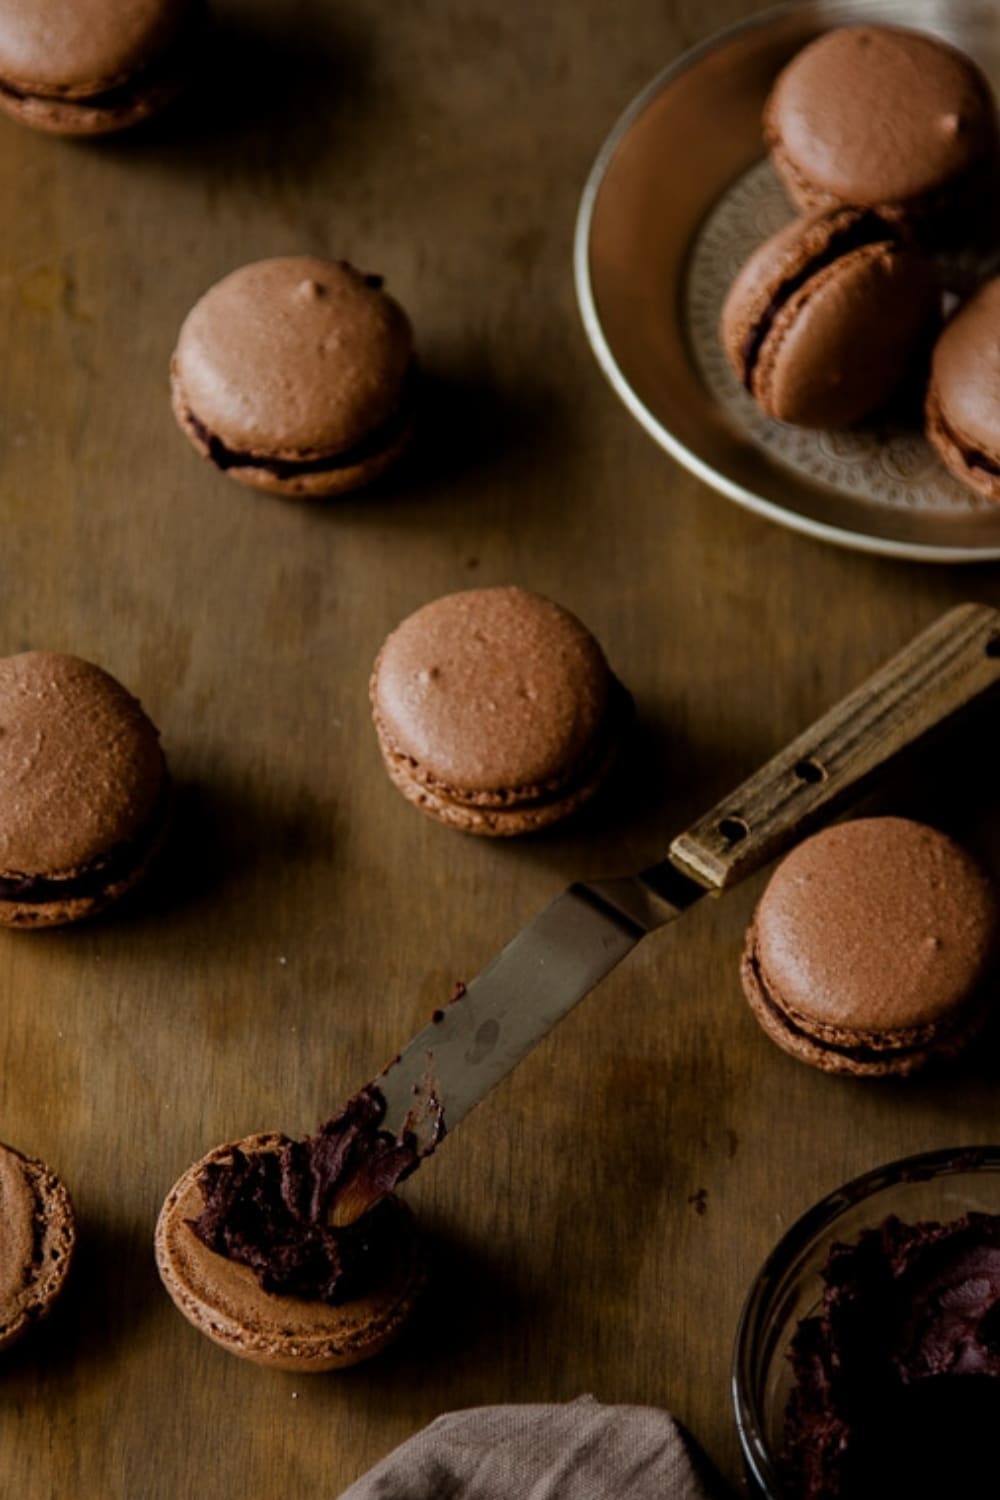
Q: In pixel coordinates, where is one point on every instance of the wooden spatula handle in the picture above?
(944, 670)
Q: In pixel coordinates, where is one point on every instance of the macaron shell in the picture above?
(839, 347)
(879, 116)
(780, 258)
(293, 359)
(964, 405)
(78, 48)
(81, 769)
(491, 691)
(318, 485)
(223, 1300)
(959, 458)
(27, 915)
(856, 1054)
(878, 926)
(497, 821)
(36, 1243)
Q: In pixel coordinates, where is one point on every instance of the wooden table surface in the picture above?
(598, 1220)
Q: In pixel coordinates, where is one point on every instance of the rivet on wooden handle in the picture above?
(944, 670)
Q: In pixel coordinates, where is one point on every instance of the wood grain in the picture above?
(598, 1220)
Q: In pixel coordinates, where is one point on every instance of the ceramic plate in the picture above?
(678, 197)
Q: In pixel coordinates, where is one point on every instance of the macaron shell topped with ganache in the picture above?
(496, 710)
(824, 318)
(295, 376)
(963, 398)
(89, 67)
(224, 1301)
(871, 947)
(37, 1239)
(84, 790)
(883, 118)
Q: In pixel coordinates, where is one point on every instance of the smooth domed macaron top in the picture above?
(294, 357)
(880, 924)
(81, 769)
(879, 115)
(492, 689)
(965, 370)
(79, 48)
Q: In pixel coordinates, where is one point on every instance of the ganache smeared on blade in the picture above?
(272, 1210)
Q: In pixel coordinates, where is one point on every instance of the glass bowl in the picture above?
(941, 1185)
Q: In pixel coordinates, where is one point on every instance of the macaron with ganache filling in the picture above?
(963, 399)
(296, 375)
(90, 67)
(884, 118)
(496, 711)
(84, 789)
(872, 950)
(37, 1239)
(249, 1248)
(825, 318)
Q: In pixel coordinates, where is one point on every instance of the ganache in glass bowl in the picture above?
(916, 1317)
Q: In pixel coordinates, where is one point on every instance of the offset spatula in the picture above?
(558, 958)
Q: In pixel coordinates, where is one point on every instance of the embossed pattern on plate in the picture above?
(676, 199)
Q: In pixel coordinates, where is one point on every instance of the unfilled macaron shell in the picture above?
(296, 362)
(82, 781)
(963, 401)
(496, 710)
(92, 66)
(37, 1238)
(881, 117)
(224, 1301)
(870, 946)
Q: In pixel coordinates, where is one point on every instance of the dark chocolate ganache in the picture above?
(272, 1210)
(898, 1377)
(867, 229)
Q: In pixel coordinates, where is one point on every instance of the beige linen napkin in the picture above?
(578, 1451)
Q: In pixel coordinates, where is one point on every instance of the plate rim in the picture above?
(855, 541)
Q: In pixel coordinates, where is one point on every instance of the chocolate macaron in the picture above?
(824, 319)
(37, 1237)
(884, 118)
(84, 790)
(496, 711)
(89, 67)
(230, 1301)
(963, 398)
(296, 376)
(870, 950)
